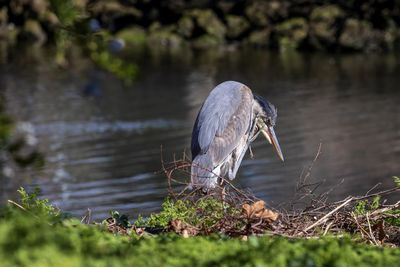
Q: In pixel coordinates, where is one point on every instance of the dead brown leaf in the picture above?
(180, 227)
(257, 210)
(381, 232)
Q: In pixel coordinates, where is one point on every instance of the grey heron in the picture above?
(230, 119)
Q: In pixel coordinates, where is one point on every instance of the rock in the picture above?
(225, 6)
(114, 8)
(209, 22)
(324, 21)
(391, 34)
(291, 33)
(32, 31)
(133, 36)
(108, 11)
(257, 13)
(186, 26)
(50, 18)
(40, 6)
(360, 35)
(261, 13)
(10, 34)
(165, 36)
(3, 16)
(116, 45)
(260, 38)
(205, 41)
(173, 6)
(94, 25)
(236, 26)
(355, 34)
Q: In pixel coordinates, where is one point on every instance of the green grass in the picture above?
(38, 235)
(203, 213)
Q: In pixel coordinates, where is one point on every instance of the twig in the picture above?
(359, 226)
(382, 193)
(86, 218)
(372, 188)
(18, 205)
(327, 227)
(389, 207)
(370, 230)
(328, 214)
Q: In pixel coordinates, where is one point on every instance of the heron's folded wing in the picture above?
(222, 121)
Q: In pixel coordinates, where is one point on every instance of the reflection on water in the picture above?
(102, 140)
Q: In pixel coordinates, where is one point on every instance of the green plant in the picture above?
(200, 213)
(396, 180)
(122, 69)
(120, 219)
(39, 208)
(365, 206)
(27, 240)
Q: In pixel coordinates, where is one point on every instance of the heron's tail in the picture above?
(203, 173)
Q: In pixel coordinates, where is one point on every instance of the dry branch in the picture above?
(316, 212)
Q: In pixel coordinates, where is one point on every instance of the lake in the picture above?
(102, 138)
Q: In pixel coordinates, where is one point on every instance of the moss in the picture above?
(30, 242)
(256, 12)
(355, 34)
(33, 31)
(66, 11)
(111, 8)
(259, 38)
(132, 36)
(209, 23)
(324, 23)
(205, 41)
(40, 6)
(186, 26)
(263, 13)
(3, 16)
(291, 33)
(164, 36)
(236, 26)
(10, 35)
(39, 236)
(326, 13)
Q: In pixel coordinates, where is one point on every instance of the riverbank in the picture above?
(33, 232)
(285, 25)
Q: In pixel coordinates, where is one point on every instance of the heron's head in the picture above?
(265, 110)
(266, 117)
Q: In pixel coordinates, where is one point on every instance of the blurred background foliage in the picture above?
(105, 27)
(355, 25)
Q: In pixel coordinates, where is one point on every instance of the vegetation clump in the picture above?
(34, 233)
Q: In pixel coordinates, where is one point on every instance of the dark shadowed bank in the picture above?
(342, 25)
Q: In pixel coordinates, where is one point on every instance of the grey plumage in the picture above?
(224, 128)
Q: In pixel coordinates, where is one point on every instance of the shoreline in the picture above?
(333, 26)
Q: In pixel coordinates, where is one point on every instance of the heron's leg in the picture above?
(222, 185)
(253, 134)
(251, 152)
(254, 137)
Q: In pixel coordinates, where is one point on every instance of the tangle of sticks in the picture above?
(309, 215)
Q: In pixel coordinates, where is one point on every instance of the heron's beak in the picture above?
(269, 134)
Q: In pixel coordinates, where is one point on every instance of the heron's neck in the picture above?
(256, 108)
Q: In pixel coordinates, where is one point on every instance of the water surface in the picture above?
(102, 139)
